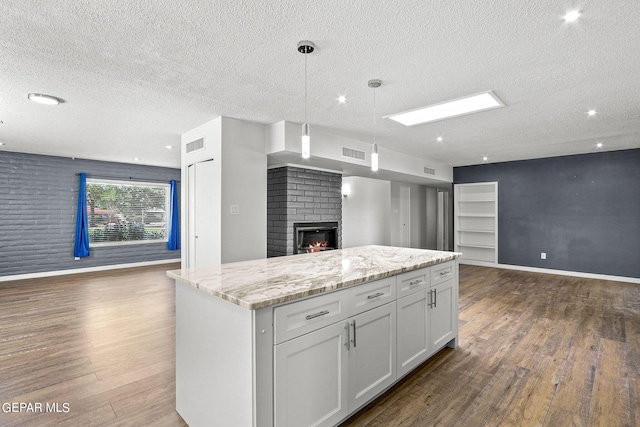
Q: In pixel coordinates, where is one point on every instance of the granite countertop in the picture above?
(264, 282)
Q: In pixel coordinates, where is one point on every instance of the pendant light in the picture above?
(305, 47)
(374, 150)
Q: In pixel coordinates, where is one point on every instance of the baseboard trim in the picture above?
(86, 270)
(560, 272)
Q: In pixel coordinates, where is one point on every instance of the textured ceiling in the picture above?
(135, 75)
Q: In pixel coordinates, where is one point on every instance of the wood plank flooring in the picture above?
(103, 343)
(535, 349)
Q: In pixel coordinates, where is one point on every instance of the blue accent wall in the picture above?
(582, 210)
(38, 202)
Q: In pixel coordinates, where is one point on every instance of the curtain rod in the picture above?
(120, 178)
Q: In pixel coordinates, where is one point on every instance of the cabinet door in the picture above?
(310, 378)
(372, 365)
(444, 314)
(412, 331)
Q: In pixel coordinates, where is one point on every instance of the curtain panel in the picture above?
(81, 246)
(174, 222)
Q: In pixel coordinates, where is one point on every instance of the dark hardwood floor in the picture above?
(535, 349)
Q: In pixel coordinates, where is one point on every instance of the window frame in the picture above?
(167, 207)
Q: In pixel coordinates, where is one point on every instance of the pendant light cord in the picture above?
(374, 115)
(305, 88)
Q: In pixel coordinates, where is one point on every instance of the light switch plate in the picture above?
(235, 209)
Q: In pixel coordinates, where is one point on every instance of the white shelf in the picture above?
(476, 222)
(480, 215)
(477, 246)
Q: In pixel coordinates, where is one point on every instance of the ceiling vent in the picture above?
(429, 171)
(352, 153)
(198, 144)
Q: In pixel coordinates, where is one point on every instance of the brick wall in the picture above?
(38, 203)
(300, 195)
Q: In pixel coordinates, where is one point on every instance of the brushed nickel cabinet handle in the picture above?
(415, 282)
(348, 343)
(320, 313)
(354, 334)
(379, 294)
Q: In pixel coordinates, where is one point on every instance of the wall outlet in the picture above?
(235, 209)
(543, 255)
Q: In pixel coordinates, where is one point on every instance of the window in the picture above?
(124, 212)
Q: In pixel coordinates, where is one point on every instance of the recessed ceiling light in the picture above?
(591, 113)
(448, 109)
(2, 143)
(439, 139)
(342, 99)
(136, 159)
(485, 158)
(169, 147)
(572, 16)
(599, 145)
(45, 99)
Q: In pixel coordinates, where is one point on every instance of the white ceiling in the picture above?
(135, 75)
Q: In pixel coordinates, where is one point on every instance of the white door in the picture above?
(310, 378)
(372, 366)
(405, 217)
(443, 316)
(413, 332)
(201, 208)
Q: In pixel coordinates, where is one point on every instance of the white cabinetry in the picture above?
(413, 331)
(322, 376)
(372, 365)
(310, 378)
(313, 361)
(476, 222)
(427, 319)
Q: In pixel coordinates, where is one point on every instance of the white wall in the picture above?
(238, 150)
(212, 134)
(244, 184)
(418, 215)
(431, 206)
(285, 136)
(366, 212)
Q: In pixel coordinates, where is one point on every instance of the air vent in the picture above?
(198, 144)
(429, 171)
(352, 153)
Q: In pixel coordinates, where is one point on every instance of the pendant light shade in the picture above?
(306, 141)
(374, 157)
(374, 149)
(305, 47)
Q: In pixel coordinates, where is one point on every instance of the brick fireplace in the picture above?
(303, 198)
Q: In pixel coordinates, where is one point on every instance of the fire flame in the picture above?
(316, 246)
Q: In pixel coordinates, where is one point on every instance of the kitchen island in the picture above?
(308, 339)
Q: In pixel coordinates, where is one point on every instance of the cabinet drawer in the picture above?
(443, 272)
(413, 281)
(298, 318)
(370, 295)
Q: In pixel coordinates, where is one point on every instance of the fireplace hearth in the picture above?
(314, 237)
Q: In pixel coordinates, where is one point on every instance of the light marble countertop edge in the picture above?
(270, 281)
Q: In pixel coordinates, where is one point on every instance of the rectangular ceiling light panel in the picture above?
(445, 110)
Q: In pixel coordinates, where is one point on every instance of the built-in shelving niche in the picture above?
(476, 222)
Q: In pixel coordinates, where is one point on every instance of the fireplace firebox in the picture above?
(314, 237)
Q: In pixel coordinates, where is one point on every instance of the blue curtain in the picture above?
(81, 247)
(174, 222)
